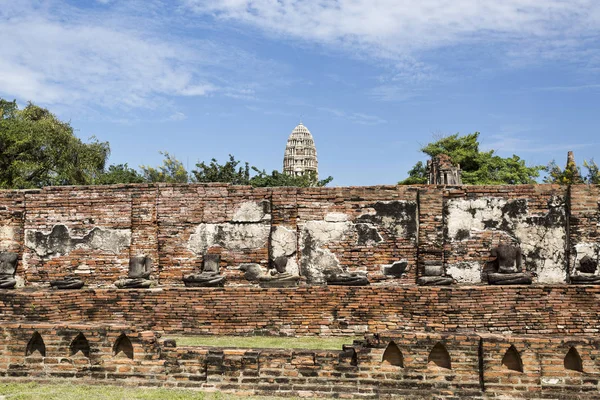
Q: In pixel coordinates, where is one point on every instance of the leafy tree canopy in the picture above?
(37, 149)
(572, 173)
(171, 171)
(120, 173)
(478, 167)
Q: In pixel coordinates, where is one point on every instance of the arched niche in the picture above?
(123, 345)
(573, 360)
(36, 343)
(439, 356)
(80, 345)
(393, 356)
(512, 360)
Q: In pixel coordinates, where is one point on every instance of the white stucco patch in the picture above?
(586, 249)
(336, 217)
(250, 211)
(319, 261)
(465, 272)
(469, 214)
(283, 242)
(322, 232)
(60, 241)
(541, 244)
(7, 233)
(229, 236)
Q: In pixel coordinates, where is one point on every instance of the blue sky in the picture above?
(373, 80)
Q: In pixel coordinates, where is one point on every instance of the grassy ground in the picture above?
(266, 342)
(34, 391)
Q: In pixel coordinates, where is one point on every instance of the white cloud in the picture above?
(404, 33)
(55, 54)
(396, 26)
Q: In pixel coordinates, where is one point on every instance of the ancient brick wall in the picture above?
(92, 232)
(478, 218)
(414, 365)
(193, 220)
(315, 310)
(584, 223)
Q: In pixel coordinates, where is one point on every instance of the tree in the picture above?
(171, 171)
(228, 172)
(120, 173)
(593, 175)
(231, 172)
(37, 149)
(572, 173)
(277, 179)
(417, 175)
(478, 167)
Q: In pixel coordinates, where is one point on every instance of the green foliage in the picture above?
(73, 390)
(37, 149)
(120, 173)
(478, 167)
(572, 174)
(417, 175)
(171, 171)
(228, 172)
(593, 175)
(278, 179)
(231, 172)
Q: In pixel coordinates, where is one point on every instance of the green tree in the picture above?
(228, 172)
(120, 173)
(171, 171)
(417, 175)
(593, 175)
(277, 179)
(571, 174)
(478, 167)
(245, 174)
(37, 149)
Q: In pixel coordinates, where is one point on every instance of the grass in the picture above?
(266, 342)
(66, 391)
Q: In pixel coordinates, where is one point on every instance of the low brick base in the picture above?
(414, 365)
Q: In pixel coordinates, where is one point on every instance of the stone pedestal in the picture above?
(433, 275)
(516, 278)
(210, 276)
(67, 283)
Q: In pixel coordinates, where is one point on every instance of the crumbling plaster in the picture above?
(542, 237)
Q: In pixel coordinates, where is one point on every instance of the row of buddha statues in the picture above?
(506, 268)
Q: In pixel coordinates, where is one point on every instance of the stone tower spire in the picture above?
(300, 153)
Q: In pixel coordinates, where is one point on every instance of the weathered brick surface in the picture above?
(546, 310)
(360, 205)
(101, 228)
(469, 366)
(181, 208)
(553, 225)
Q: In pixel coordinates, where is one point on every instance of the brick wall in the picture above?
(360, 229)
(411, 364)
(544, 310)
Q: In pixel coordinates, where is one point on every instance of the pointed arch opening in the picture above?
(80, 345)
(439, 356)
(393, 356)
(36, 343)
(512, 360)
(123, 345)
(573, 360)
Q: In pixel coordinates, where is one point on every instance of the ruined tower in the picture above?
(441, 171)
(300, 153)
